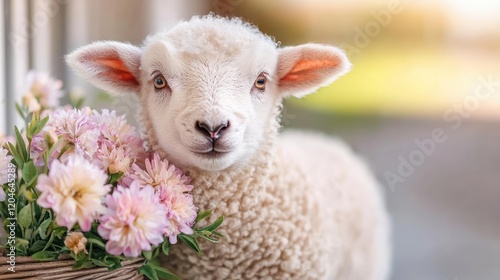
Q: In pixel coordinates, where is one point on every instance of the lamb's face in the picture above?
(209, 109)
(209, 85)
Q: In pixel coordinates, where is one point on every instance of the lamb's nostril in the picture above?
(212, 133)
(203, 128)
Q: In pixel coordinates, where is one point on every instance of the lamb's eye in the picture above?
(260, 82)
(160, 82)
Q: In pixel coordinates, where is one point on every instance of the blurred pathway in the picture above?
(446, 215)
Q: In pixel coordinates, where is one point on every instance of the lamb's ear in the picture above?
(305, 68)
(112, 66)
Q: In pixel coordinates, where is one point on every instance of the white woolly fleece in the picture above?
(296, 206)
(306, 208)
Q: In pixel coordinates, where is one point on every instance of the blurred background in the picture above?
(421, 104)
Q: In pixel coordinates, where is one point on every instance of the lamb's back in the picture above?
(348, 202)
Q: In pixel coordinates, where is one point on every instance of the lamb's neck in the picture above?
(238, 183)
(233, 184)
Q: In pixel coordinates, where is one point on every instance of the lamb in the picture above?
(297, 206)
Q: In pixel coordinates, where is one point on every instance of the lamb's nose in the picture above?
(213, 133)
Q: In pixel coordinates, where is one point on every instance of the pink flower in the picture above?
(114, 159)
(180, 208)
(4, 167)
(3, 195)
(119, 144)
(74, 191)
(135, 219)
(159, 172)
(77, 128)
(44, 88)
(172, 189)
(116, 131)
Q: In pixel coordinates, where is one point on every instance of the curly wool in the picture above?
(297, 206)
(297, 212)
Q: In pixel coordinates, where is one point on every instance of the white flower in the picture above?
(74, 191)
(135, 219)
(31, 103)
(44, 88)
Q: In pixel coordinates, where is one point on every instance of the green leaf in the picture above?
(22, 242)
(37, 246)
(156, 252)
(217, 233)
(20, 111)
(39, 126)
(149, 272)
(30, 173)
(190, 241)
(80, 256)
(17, 158)
(209, 238)
(96, 242)
(21, 250)
(164, 273)
(165, 247)
(213, 226)
(24, 217)
(147, 254)
(42, 229)
(51, 239)
(55, 146)
(82, 263)
(20, 143)
(79, 103)
(102, 263)
(113, 178)
(117, 262)
(60, 232)
(202, 216)
(44, 256)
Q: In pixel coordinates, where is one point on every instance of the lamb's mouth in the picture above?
(213, 154)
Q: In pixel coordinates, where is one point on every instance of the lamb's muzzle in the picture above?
(212, 132)
(298, 206)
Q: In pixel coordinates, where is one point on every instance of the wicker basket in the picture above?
(27, 268)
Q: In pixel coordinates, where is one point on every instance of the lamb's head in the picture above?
(209, 86)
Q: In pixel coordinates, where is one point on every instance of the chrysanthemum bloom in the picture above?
(116, 130)
(172, 188)
(44, 88)
(75, 241)
(77, 128)
(119, 144)
(159, 172)
(134, 220)
(180, 208)
(74, 190)
(114, 159)
(4, 165)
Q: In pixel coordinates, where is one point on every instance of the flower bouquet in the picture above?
(78, 184)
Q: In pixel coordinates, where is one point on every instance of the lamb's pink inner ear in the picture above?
(308, 70)
(305, 68)
(116, 69)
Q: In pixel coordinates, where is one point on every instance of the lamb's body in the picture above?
(306, 209)
(295, 207)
